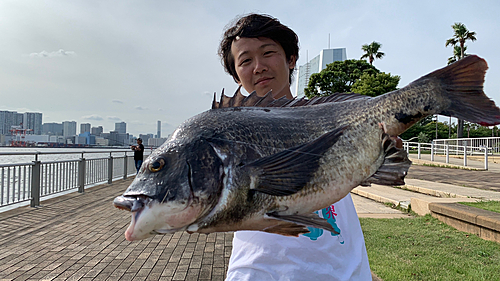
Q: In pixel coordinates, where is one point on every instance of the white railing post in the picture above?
(465, 156)
(432, 151)
(486, 158)
(447, 153)
(419, 156)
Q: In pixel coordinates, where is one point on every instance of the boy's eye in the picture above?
(244, 61)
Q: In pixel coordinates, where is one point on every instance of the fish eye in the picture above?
(156, 165)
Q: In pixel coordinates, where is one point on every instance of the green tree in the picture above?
(457, 52)
(372, 51)
(473, 130)
(423, 138)
(375, 84)
(460, 36)
(338, 77)
(427, 127)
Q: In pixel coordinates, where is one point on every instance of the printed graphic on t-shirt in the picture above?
(328, 214)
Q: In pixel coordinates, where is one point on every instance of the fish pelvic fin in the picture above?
(287, 172)
(462, 85)
(395, 166)
(287, 229)
(312, 220)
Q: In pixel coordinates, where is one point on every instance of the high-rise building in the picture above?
(116, 139)
(52, 129)
(33, 121)
(158, 129)
(96, 131)
(315, 65)
(84, 127)
(121, 127)
(69, 128)
(9, 119)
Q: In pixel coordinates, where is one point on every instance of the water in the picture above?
(72, 154)
(56, 176)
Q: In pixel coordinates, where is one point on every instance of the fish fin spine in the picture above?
(395, 166)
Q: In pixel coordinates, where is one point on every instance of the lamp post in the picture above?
(436, 126)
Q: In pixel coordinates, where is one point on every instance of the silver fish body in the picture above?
(269, 168)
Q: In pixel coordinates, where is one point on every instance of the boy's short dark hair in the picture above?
(254, 26)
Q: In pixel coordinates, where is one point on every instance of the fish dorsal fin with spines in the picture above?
(253, 100)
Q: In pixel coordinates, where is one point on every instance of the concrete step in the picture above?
(449, 190)
(420, 193)
(405, 199)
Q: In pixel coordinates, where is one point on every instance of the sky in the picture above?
(103, 62)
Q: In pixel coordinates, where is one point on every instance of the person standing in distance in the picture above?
(138, 154)
(260, 54)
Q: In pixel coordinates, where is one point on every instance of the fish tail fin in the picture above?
(462, 83)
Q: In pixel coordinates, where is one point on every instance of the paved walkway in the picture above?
(80, 236)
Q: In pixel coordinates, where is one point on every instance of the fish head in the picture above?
(177, 185)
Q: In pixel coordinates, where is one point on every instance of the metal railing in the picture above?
(21, 182)
(447, 149)
(492, 143)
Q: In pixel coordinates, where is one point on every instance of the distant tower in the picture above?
(121, 127)
(84, 127)
(33, 121)
(96, 131)
(315, 65)
(158, 129)
(69, 128)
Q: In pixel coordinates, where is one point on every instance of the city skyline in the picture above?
(32, 121)
(144, 61)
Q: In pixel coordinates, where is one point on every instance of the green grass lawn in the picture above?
(423, 248)
(493, 206)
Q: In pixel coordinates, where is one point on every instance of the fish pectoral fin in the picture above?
(395, 166)
(287, 229)
(288, 171)
(312, 220)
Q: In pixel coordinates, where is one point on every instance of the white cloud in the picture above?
(114, 118)
(117, 101)
(45, 54)
(93, 117)
(141, 108)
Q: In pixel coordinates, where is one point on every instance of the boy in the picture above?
(260, 54)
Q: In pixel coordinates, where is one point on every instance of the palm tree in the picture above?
(371, 52)
(461, 35)
(457, 52)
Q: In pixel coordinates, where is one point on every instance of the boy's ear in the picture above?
(292, 62)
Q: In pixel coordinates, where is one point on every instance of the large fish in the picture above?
(254, 163)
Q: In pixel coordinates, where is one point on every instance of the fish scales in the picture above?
(269, 168)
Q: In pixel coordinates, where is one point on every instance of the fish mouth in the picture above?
(144, 214)
(131, 203)
(135, 205)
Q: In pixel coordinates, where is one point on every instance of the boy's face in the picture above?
(262, 66)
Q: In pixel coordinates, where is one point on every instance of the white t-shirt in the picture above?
(319, 255)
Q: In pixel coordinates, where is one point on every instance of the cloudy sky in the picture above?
(102, 62)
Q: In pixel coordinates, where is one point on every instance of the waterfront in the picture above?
(65, 153)
(58, 170)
